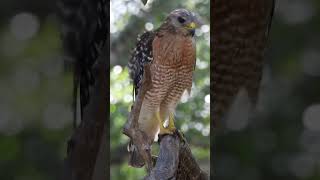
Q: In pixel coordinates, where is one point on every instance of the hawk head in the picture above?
(184, 21)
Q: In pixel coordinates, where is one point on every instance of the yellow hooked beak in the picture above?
(191, 25)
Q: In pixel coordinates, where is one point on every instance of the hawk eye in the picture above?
(181, 19)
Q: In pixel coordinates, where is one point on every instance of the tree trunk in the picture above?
(175, 161)
(89, 139)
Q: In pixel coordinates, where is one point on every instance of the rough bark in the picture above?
(86, 141)
(101, 168)
(175, 161)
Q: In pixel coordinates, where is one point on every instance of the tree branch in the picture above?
(85, 144)
(131, 128)
(175, 161)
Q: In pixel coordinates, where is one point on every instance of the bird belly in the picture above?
(182, 81)
(171, 74)
(168, 85)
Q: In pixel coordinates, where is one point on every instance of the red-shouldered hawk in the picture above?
(171, 52)
(239, 36)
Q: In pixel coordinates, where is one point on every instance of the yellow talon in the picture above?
(166, 130)
(171, 125)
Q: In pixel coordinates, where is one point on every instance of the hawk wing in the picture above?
(240, 31)
(142, 54)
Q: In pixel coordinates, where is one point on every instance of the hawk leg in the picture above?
(171, 127)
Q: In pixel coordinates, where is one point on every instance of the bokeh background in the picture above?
(35, 92)
(282, 140)
(127, 20)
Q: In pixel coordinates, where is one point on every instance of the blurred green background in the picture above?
(282, 140)
(35, 92)
(127, 20)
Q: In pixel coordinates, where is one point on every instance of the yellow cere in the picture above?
(192, 25)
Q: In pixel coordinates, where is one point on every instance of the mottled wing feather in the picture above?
(240, 30)
(142, 54)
